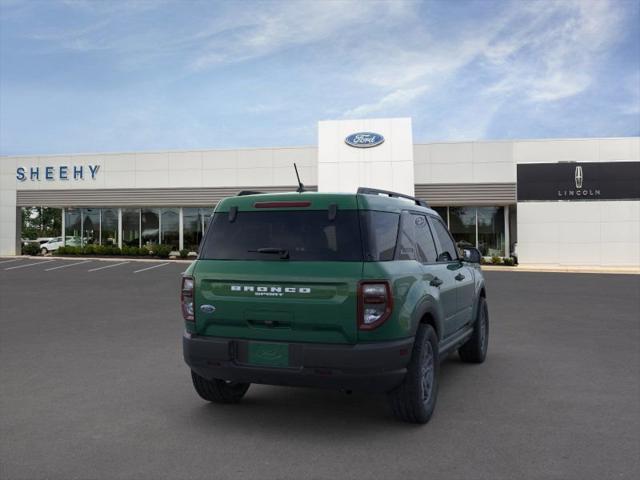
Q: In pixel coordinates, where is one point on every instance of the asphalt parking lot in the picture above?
(92, 385)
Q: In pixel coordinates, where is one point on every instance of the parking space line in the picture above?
(149, 268)
(65, 266)
(30, 264)
(108, 266)
(9, 261)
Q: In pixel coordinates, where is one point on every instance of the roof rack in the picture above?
(242, 193)
(376, 191)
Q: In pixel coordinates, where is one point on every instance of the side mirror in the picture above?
(471, 255)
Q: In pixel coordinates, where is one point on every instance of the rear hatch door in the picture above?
(282, 270)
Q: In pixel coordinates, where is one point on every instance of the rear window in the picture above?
(305, 235)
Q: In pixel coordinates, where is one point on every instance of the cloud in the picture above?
(537, 52)
(276, 26)
(393, 100)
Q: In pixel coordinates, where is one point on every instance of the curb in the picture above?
(561, 269)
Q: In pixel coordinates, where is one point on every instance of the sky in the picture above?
(111, 76)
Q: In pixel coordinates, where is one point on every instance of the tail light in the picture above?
(186, 299)
(375, 303)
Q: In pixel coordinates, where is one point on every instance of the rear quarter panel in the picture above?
(412, 299)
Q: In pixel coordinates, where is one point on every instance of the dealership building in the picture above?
(559, 202)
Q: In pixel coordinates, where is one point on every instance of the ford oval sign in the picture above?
(364, 139)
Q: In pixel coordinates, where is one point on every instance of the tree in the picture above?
(41, 222)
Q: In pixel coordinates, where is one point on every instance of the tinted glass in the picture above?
(491, 230)
(150, 221)
(442, 211)
(425, 246)
(305, 235)
(131, 227)
(407, 239)
(447, 251)
(462, 223)
(109, 233)
(90, 225)
(72, 226)
(192, 228)
(170, 222)
(380, 231)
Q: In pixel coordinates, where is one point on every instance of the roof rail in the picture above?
(377, 191)
(242, 193)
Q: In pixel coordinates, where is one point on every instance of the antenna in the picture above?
(300, 184)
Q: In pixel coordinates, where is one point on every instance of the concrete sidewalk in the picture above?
(563, 269)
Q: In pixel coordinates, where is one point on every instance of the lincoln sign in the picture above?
(576, 181)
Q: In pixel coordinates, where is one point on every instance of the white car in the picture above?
(57, 242)
(52, 245)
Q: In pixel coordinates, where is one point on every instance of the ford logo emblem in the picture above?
(364, 139)
(207, 308)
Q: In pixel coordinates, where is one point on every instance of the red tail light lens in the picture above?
(186, 299)
(375, 304)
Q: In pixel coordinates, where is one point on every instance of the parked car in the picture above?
(361, 291)
(51, 246)
(57, 242)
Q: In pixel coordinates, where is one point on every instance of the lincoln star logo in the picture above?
(579, 177)
(364, 139)
(580, 191)
(271, 291)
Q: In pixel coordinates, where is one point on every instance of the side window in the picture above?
(406, 239)
(380, 231)
(447, 249)
(426, 248)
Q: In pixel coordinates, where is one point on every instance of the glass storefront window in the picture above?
(109, 227)
(491, 231)
(131, 227)
(442, 211)
(170, 231)
(206, 214)
(150, 220)
(72, 226)
(90, 226)
(462, 224)
(191, 228)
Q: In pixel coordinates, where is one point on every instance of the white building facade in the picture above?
(565, 202)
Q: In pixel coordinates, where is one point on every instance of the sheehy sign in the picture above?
(575, 181)
(61, 172)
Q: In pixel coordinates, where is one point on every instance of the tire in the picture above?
(415, 399)
(475, 349)
(44, 251)
(218, 391)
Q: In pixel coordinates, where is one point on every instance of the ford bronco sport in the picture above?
(362, 292)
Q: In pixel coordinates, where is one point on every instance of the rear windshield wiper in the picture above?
(284, 253)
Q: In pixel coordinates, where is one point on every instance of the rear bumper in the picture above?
(369, 367)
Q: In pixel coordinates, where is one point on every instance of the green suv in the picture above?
(359, 292)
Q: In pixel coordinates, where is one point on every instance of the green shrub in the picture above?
(89, 250)
(183, 253)
(31, 249)
(163, 251)
(99, 249)
(496, 260)
(509, 261)
(144, 251)
(482, 261)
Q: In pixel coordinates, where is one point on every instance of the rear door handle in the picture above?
(436, 282)
(459, 277)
